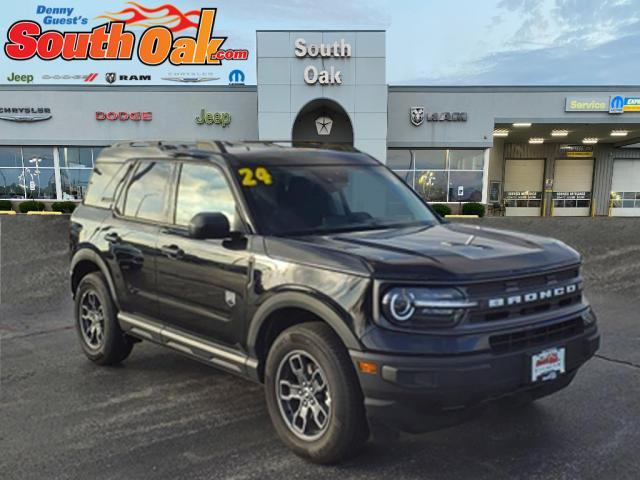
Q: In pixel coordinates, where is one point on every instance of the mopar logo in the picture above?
(616, 104)
(236, 77)
(532, 296)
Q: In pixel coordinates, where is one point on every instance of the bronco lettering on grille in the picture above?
(533, 296)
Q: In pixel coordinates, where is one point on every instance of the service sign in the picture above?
(116, 42)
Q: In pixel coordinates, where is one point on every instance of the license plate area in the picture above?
(547, 364)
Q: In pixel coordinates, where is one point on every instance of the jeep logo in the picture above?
(16, 77)
(532, 296)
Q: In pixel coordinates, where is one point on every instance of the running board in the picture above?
(194, 347)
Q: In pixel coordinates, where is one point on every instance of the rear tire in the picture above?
(101, 338)
(302, 359)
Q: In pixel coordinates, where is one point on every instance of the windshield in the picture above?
(310, 199)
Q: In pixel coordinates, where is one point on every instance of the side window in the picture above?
(103, 183)
(203, 188)
(146, 194)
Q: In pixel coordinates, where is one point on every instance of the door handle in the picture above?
(112, 237)
(172, 251)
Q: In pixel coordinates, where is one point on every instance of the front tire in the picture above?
(313, 394)
(101, 338)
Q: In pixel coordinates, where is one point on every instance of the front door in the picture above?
(202, 283)
(572, 181)
(523, 180)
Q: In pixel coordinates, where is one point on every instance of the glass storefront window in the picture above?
(432, 185)
(441, 175)
(465, 186)
(466, 159)
(11, 184)
(407, 176)
(76, 157)
(10, 157)
(430, 159)
(37, 157)
(39, 183)
(399, 159)
(74, 182)
(31, 172)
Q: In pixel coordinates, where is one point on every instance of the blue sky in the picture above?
(452, 42)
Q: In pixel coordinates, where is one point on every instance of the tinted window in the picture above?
(147, 192)
(203, 188)
(103, 182)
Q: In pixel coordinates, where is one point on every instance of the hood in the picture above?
(447, 252)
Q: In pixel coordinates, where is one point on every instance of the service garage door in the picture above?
(523, 181)
(625, 188)
(572, 181)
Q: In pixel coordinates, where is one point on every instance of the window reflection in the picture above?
(441, 175)
(432, 185)
(145, 197)
(11, 185)
(203, 188)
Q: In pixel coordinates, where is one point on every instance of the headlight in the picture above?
(425, 307)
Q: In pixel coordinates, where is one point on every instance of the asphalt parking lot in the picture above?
(160, 415)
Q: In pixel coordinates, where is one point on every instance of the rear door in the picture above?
(202, 283)
(132, 234)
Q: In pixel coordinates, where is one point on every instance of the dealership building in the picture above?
(534, 151)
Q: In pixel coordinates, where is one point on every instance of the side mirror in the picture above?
(209, 225)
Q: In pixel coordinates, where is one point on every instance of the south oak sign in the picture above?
(311, 74)
(112, 41)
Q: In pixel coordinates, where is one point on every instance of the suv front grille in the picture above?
(538, 336)
(484, 292)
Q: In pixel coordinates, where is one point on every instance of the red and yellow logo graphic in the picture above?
(168, 15)
(112, 41)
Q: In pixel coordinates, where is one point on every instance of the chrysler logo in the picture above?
(25, 114)
(533, 296)
(189, 79)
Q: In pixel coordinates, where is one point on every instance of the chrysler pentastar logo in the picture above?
(324, 125)
(530, 297)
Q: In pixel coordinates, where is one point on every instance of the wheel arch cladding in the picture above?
(284, 311)
(85, 262)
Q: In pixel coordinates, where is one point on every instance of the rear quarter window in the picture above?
(104, 182)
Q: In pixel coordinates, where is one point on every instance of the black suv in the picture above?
(320, 273)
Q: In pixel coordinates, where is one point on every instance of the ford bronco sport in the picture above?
(319, 273)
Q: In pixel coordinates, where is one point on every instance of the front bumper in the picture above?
(422, 393)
